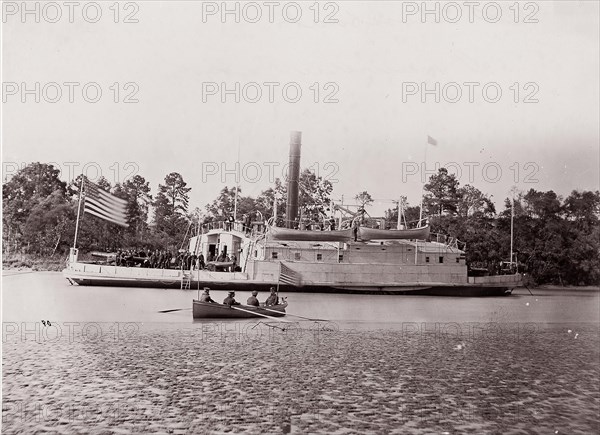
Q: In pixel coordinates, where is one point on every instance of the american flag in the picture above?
(288, 276)
(100, 203)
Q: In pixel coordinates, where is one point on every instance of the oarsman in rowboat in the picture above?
(252, 300)
(230, 300)
(206, 296)
(272, 299)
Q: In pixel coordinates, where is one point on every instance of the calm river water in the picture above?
(39, 296)
(382, 364)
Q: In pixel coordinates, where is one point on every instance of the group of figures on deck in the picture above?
(164, 259)
(159, 259)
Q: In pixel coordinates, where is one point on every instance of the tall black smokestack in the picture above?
(291, 211)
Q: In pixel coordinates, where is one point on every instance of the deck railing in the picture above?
(258, 228)
(452, 242)
(255, 228)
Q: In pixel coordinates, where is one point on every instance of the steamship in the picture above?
(356, 259)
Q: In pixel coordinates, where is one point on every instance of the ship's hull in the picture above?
(483, 286)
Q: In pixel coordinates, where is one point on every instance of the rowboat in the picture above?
(206, 310)
(378, 234)
(364, 233)
(277, 233)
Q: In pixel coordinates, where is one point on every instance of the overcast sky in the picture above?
(371, 62)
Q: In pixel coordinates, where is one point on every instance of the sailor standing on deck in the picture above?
(229, 223)
(248, 224)
(252, 300)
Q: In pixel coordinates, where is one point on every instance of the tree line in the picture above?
(556, 239)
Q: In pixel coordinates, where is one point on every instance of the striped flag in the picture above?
(288, 276)
(100, 203)
(431, 141)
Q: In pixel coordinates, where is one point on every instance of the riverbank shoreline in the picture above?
(33, 263)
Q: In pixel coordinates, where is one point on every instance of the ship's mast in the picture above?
(275, 210)
(430, 141)
(235, 204)
(341, 217)
(423, 186)
(401, 205)
(513, 190)
(237, 183)
(512, 218)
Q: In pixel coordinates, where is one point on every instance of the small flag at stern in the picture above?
(289, 276)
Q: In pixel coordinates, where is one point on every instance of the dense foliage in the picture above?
(557, 240)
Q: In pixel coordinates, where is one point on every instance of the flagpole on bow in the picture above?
(78, 212)
(278, 279)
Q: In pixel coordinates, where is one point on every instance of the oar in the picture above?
(283, 328)
(176, 309)
(294, 315)
(259, 314)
